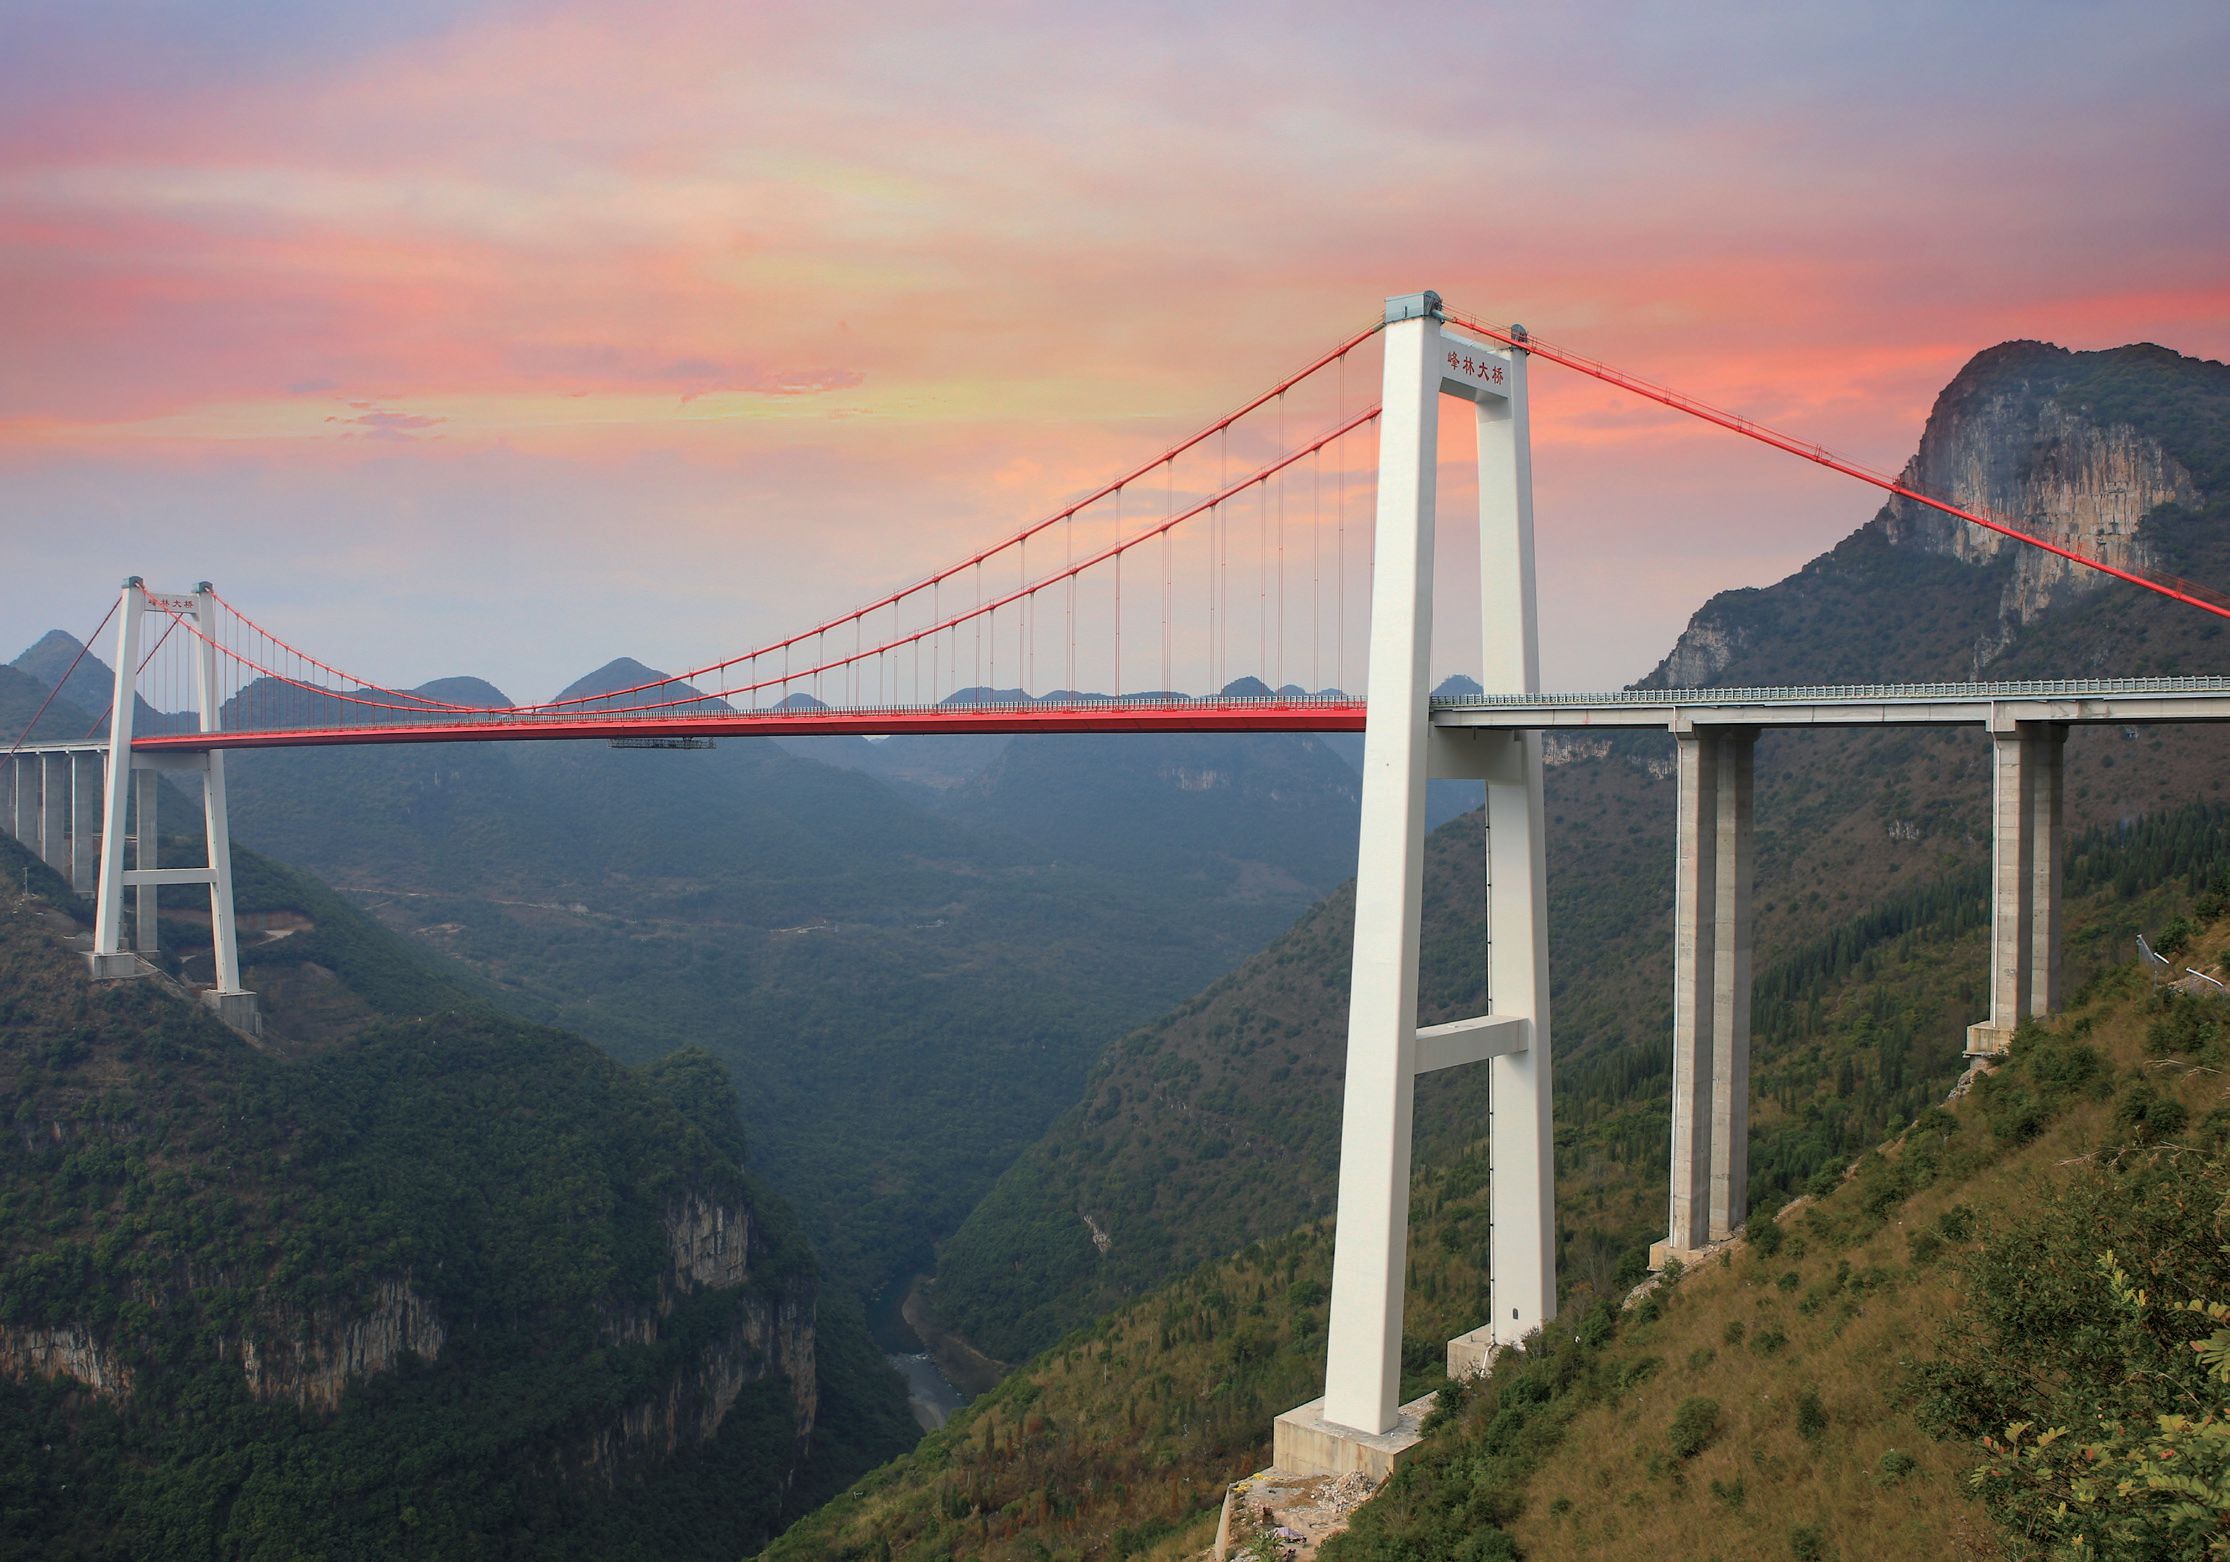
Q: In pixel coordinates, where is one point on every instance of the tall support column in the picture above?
(26, 812)
(2045, 765)
(218, 828)
(54, 811)
(1521, 1142)
(147, 787)
(85, 775)
(1730, 994)
(108, 957)
(2012, 871)
(1370, 1257)
(1695, 985)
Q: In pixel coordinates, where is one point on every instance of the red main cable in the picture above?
(1114, 551)
(929, 582)
(427, 701)
(2194, 595)
(177, 619)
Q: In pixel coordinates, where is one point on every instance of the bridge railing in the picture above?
(1875, 693)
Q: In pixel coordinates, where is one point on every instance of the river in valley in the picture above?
(929, 1393)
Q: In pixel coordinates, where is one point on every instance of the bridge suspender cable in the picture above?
(247, 635)
(425, 701)
(939, 624)
(2179, 590)
(1067, 513)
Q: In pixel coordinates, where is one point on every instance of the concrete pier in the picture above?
(2028, 805)
(25, 813)
(1711, 991)
(1730, 987)
(146, 926)
(54, 812)
(85, 819)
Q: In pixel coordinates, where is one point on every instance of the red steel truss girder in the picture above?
(1315, 716)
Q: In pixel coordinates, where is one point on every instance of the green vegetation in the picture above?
(1776, 1397)
(1112, 1443)
(1223, 1118)
(477, 1209)
(2056, 1332)
(916, 983)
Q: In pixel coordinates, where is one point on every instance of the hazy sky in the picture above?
(509, 337)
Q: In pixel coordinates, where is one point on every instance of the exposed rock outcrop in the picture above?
(69, 1351)
(766, 1337)
(310, 1364)
(1705, 647)
(2012, 437)
(2005, 440)
(710, 1241)
(770, 1332)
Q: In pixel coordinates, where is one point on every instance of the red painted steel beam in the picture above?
(1191, 716)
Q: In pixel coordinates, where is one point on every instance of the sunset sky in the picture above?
(506, 338)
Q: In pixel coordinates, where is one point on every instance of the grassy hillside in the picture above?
(403, 1281)
(1097, 1448)
(1872, 1374)
(1217, 1124)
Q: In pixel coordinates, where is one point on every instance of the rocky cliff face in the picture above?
(2014, 436)
(710, 1241)
(2006, 439)
(1711, 641)
(307, 1361)
(310, 1364)
(711, 1244)
(69, 1352)
(766, 1337)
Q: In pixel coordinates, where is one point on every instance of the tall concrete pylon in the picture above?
(108, 957)
(1359, 1423)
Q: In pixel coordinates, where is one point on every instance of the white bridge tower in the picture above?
(109, 957)
(1360, 1423)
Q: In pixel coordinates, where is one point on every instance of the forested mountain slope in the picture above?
(911, 985)
(408, 1278)
(1217, 1124)
(1857, 1353)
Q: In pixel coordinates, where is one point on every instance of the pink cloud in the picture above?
(999, 256)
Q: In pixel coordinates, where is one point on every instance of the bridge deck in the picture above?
(2097, 701)
(2102, 701)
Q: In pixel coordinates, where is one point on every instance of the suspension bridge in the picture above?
(1278, 557)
